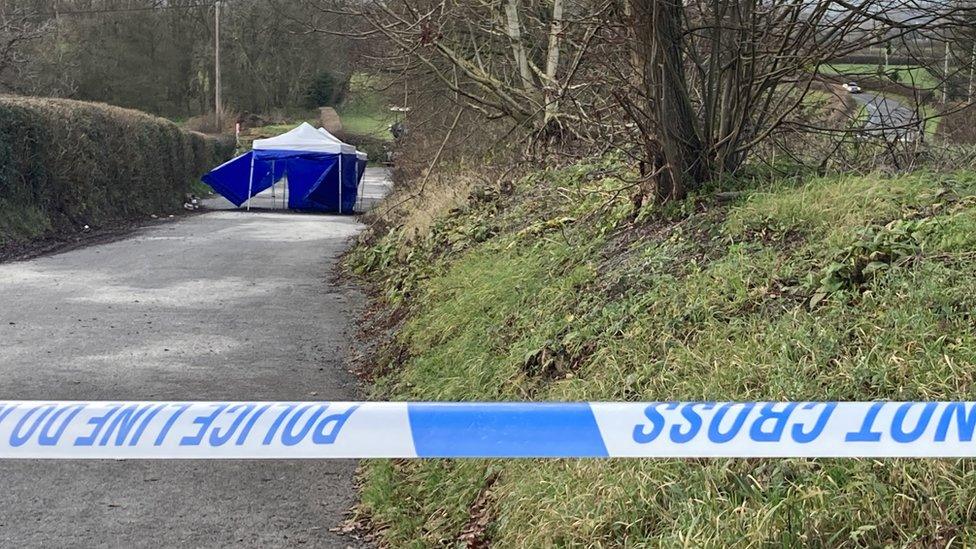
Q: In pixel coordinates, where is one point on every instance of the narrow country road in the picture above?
(221, 306)
(887, 118)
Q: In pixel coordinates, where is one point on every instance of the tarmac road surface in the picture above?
(226, 305)
(887, 118)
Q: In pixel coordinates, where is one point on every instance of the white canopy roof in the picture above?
(359, 154)
(303, 138)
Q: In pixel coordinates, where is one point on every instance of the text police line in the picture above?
(126, 425)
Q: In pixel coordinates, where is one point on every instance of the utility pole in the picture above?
(217, 106)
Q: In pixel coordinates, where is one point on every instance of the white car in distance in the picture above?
(852, 87)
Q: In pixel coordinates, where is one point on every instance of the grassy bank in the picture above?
(847, 288)
(67, 164)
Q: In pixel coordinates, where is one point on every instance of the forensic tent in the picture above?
(323, 174)
(361, 157)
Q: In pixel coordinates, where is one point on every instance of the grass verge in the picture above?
(848, 288)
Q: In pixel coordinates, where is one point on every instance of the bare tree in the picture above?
(157, 55)
(697, 84)
(718, 77)
(518, 59)
(19, 27)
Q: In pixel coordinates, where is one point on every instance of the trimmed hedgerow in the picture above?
(65, 164)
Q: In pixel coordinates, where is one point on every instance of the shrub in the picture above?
(325, 90)
(65, 164)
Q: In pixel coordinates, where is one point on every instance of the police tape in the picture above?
(286, 430)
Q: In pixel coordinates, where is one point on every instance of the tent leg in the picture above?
(250, 183)
(359, 189)
(340, 181)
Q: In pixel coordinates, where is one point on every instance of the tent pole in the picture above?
(359, 187)
(274, 201)
(340, 180)
(250, 183)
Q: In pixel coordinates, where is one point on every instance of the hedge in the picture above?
(65, 164)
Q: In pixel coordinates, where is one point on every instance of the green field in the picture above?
(373, 124)
(805, 288)
(917, 77)
(366, 111)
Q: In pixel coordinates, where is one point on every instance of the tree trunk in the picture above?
(679, 157)
(513, 27)
(552, 61)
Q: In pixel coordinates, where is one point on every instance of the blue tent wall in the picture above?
(327, 194)
(313, 178)
(308, 173)
(361, 165)
(323, 193)
(350, 182)
(230, 179)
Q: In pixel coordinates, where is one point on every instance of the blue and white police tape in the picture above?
(258, 430)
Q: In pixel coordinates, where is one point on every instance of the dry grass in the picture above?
(415, 210)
